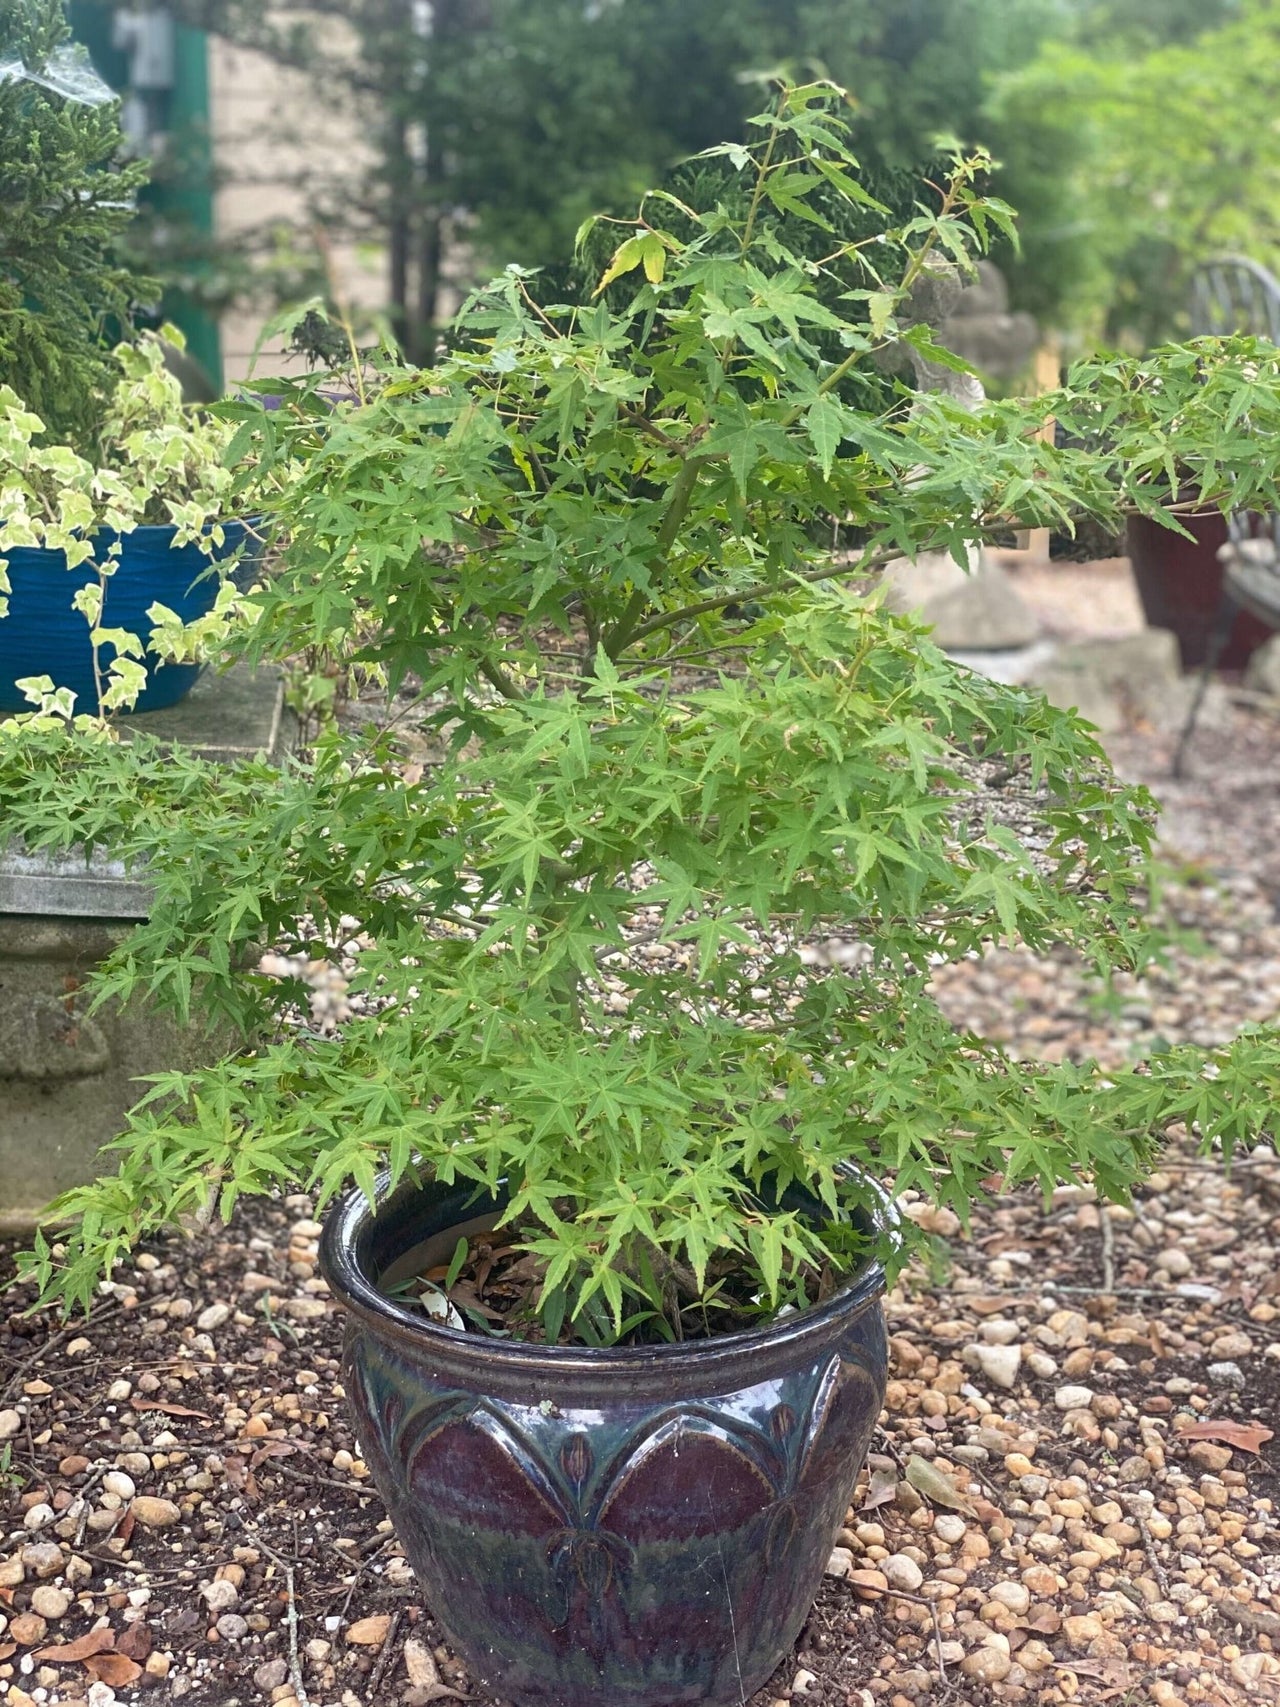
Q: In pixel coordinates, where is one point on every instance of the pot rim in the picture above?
(349, 1220)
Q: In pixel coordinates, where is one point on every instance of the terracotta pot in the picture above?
(639, 1527)
(1180, 584)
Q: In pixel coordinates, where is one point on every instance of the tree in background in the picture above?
(1139, 146)
(498, 125)
(65, 201)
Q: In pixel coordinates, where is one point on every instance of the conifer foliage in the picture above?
(65, 197)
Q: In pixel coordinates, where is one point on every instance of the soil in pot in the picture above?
(643, 1526)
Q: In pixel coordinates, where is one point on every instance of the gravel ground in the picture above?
(1072, 1497)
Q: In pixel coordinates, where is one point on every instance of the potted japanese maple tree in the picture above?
(609, 1157)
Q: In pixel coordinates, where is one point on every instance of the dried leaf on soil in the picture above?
(272, 1449)
(883, 1486)
(135, 1642)
(931, 1482)
(168, 1409)
(83, 1648)
(118, 1670)
(1249, 1437)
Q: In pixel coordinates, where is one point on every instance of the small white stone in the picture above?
(999, 1330)
(840, 1562)
(901, 1572)
(10, 1423)
(1175, 1262)
(38, 1516)
(949, 1528)
(1016, 1596)
(220, 1596)
(116, 1482)
(1073, 1398)
(119, 1391)
(999, 1363)
(212, 1318)
(803, 1682)
(1041, 1365)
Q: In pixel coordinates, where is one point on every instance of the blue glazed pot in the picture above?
(43, 636)
(639, 1527)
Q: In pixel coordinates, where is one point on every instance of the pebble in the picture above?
(49, 1602)
(369, 1632)
(1231, 1345)
(949, 1528)
(902, 1572)
(117, 1482)
(11, 1571)
(220, 1596)
(999, 1330)
(39, 1516)
(119, 1391)
(154, 1513)
(10, 1423)
(1227, 1375)
(1073, 1398)
(212, 1317)
(231, 1627)
(45, 1558)
(304, 1309)
(270, 1675)
(999, 1363)
(1209, 1456)
(1016, 1596)
(868, 1584)
(1175, 1262)
(28, 1628)
(986, 1665)
(1079, 1631)
(840, 1562)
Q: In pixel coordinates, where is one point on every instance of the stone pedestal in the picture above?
(67, 1078)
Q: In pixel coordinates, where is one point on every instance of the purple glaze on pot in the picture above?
(637, 1527)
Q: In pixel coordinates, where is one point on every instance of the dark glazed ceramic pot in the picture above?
(1180, 584)
(621, 1528)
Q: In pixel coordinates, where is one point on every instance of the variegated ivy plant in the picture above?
(160, 462)
(681, 736)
